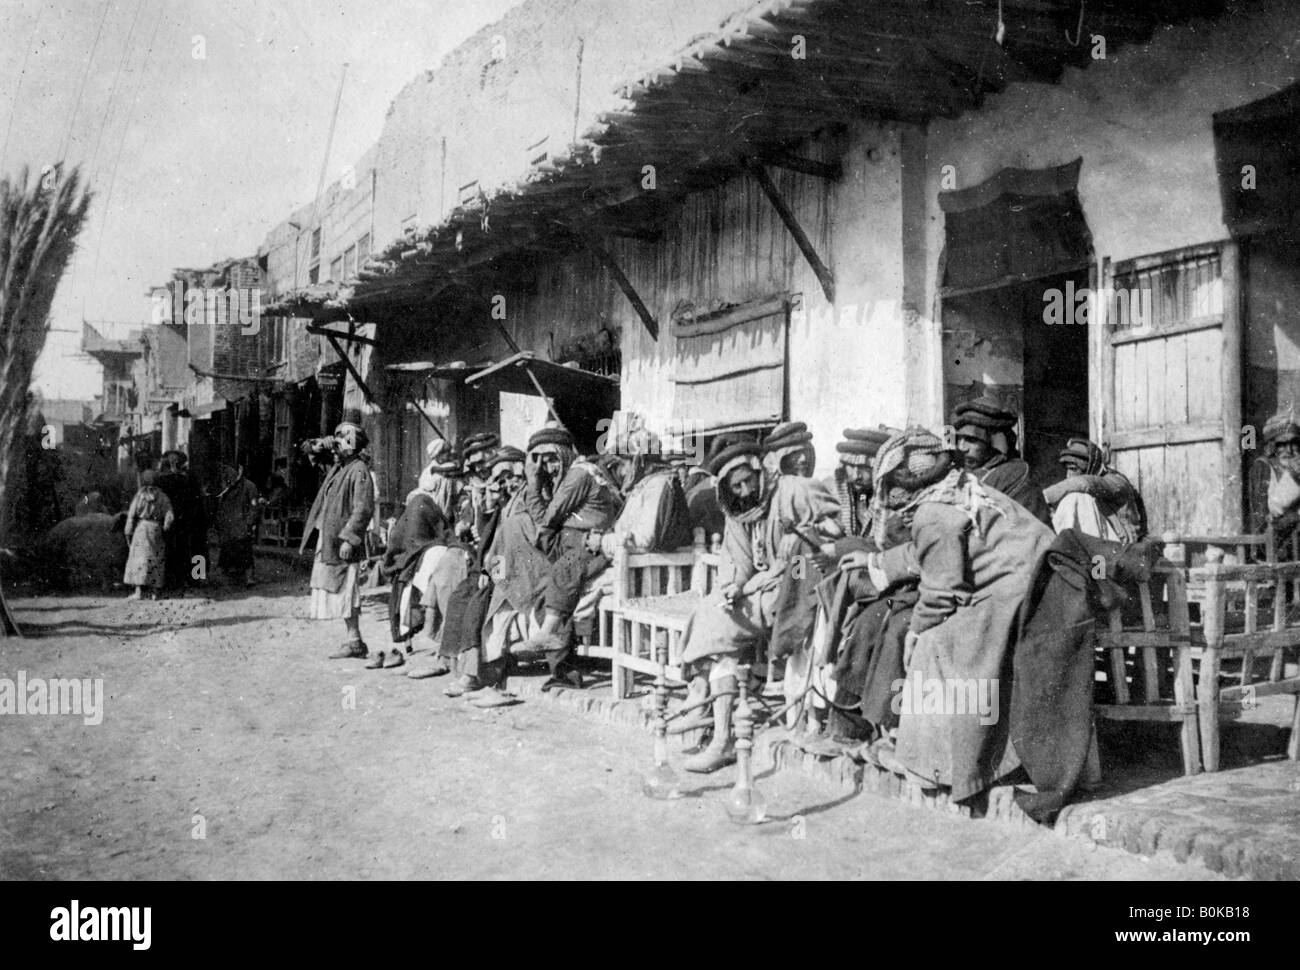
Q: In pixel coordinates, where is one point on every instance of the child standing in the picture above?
(149, 516)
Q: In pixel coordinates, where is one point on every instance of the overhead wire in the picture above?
(22, 73)
(81, 88)
(126, 128)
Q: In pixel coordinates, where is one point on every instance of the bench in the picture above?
(1206, 630)
(653, 597)
(1146, 670)
(1236, 598)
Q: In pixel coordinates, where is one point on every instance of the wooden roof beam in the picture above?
(831, 171)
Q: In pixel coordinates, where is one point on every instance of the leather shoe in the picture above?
(395, 659)
(352, 650)
(464, 685)
(377, 663)
(494, 697)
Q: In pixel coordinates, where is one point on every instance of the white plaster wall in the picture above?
(1141, 119)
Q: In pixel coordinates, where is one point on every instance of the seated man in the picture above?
(702, 492)
(1282, 450)
(974, 550)
(769, 520)
(573, 502)
(986, 437)
(417, 540)
(1094, 498)
(788, 450)
(851, 483)
(483, 670)
(475, 452)
(654, 518)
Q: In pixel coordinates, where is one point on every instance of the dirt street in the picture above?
(223, 720)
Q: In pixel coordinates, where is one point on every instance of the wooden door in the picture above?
(1171, 385)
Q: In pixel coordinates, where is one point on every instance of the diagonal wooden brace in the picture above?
(801, 239)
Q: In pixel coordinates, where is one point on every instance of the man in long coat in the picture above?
(340, 516)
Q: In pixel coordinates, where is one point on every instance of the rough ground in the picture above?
(224, 708)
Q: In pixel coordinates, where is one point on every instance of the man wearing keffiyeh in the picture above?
(770, 521)
(973, 549)
(1094, 498)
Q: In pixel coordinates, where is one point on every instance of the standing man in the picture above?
(340, 516)
(238, 512)
(986, 439)
(188, 536)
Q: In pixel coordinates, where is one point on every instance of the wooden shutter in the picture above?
(1171, 388)
(731, 365)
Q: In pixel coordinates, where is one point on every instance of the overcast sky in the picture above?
(194, 158)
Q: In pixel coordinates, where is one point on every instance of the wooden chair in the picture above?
(1147, 671)
(653, 597)
(1235, 596)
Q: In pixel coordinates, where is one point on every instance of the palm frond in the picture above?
(39, 222)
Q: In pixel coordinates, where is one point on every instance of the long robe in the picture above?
(756, 557)
(974, 577)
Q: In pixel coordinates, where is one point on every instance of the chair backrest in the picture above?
(1191, 551)
(1163, 628)
(693, 568)
(1248, 610)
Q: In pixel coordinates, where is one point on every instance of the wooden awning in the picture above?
(454, 371)
(1021, 224)
(1257, 149)
(557, 379)
(771, 77)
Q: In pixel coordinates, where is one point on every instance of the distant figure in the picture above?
(189, 536)
(148, 518)
(277, 494)
(237, 517)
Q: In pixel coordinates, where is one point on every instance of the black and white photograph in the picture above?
(653, 441)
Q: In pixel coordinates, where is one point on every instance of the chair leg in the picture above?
(1092, 767)
(1293, 746)
(1207, 699)
(617, 683)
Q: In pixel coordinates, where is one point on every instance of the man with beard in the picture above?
(188, 536)
(574, 503)
(1094, 498)
(1282, 450)
(340, 516)
(986, 437)
(702, 491)
(769, 521)
(851, 483)
(475, 453)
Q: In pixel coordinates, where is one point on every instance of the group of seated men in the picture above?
(503, 555)
(920, 558)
